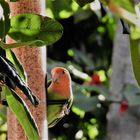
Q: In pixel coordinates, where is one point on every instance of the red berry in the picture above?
(95, 79)
(123, 106)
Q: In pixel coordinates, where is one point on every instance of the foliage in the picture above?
(87, 49)
(130, 12)
(135, 57)
(4, 18)
(3, 124)
(18, 106)
(25, 29)
(36, 29)
(11, 56)
(59, 9)
(22, 28)
(83, 2)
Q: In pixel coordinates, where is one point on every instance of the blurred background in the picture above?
(85, 49)
(95, 49)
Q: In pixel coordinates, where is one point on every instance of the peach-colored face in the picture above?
(61, 82)
(60, 74)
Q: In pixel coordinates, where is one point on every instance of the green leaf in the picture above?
(26, 24)
(78, 111)
(14, 79)
(83, 2)
(82, 57)
(3, 114)
(101, 90)
(135, 52)
(84, 102)
(126, 4)
(2, 31)
(11, 56)
(16, 45)
(132, 94)
(51, 31)
(60, 8)
(135, 32)
(20, 109)
(126, 10)
(4, 20)
(32, 29)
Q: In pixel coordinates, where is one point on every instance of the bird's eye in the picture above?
(63, 71)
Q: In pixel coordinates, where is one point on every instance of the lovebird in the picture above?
(59, 95)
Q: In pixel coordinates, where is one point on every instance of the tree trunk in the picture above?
(122, 126)
(34, 61)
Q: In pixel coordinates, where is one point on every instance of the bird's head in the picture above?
(60, 75)
(61, 82)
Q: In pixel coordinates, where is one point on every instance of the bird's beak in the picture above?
(55, 79)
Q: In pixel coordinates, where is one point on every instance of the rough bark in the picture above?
(122, 126)
(32, 61)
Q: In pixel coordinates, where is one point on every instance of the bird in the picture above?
(59, 95)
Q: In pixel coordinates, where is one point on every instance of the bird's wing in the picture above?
(64, 111)
(54, 122)
(70, 102)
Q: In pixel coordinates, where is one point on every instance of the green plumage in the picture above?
(57, 107)
(59, 95)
